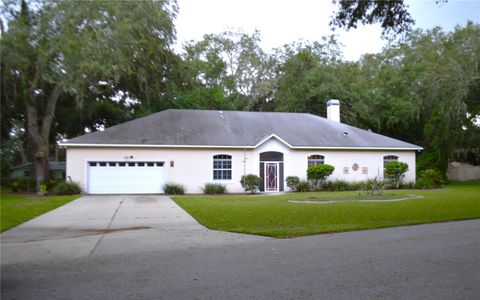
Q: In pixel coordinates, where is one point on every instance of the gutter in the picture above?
(231, 147)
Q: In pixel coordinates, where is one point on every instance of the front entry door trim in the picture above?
(271, 176)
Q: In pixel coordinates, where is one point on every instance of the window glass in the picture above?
(222, 167)
(314, 160)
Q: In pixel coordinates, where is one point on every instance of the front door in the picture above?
(271, 177)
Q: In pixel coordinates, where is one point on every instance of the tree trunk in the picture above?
(37, 146)
(39, 138)
(23, 155)
(56, 152)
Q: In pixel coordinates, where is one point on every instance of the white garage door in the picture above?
(110, 177)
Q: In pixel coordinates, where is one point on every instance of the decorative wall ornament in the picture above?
(355, 167)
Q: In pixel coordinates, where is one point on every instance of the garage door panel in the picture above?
(116, 178)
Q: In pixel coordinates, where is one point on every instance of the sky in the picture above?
(282, 22)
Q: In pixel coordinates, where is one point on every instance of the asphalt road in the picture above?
(434, 261)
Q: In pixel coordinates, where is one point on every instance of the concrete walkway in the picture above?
(94, 225)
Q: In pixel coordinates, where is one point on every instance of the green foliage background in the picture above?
(111, 61)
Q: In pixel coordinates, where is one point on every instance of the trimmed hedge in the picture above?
(304, 186)
(172, 188)
(318, 174)
(214, 188)
(251, 183)
(67, 188)
(292, 182)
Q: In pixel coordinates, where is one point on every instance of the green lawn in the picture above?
(275, 216)
(16, 208)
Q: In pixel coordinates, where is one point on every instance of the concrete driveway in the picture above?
(95, 225)
(146, 247)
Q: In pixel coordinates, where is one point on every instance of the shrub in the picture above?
(292, 182)
(67, 188)
(23, 184)
(251, 183)
(430, 178)
(172, 188)
(303, 186)
(374, 187)
(431, 159)
(407, 185)
(52, 183)
(15, 185)
(395, 171)
(337, 185)
(318, 173)
(357, 185)
(214, 188)
(43, 190)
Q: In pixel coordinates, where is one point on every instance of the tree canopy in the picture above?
(71, 67)
(392, 15)
(81, 54)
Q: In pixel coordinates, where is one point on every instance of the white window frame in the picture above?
(315, 161)
(222, 168)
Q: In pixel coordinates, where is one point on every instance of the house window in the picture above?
(222, 167)
(388, 159)
(314, 160)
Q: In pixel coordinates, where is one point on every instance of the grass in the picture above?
(275, 216)
(19, 208)
(356, 197)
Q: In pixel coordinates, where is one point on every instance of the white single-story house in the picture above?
(194, 147)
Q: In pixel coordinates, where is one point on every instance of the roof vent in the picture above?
(333, 110)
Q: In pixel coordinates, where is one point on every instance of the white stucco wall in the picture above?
(340, 159)
(193, 167)
(295, 161)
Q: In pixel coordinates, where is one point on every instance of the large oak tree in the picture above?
(65, 50)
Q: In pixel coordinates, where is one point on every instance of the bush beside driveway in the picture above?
(277, 217)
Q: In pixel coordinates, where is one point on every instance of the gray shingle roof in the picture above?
(177, 127)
